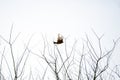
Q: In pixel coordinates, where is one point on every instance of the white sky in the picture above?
(64, 16)
(68, 17)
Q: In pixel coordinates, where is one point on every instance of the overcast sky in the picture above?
(68, 17)
(61, 16)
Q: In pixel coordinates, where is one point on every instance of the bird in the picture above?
(59, 39)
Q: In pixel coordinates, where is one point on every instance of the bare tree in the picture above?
(61, 62)
(97, 59)
(16, 65)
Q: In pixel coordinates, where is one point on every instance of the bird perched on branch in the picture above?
(59, 39)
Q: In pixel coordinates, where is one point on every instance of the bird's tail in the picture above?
(55, 42)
